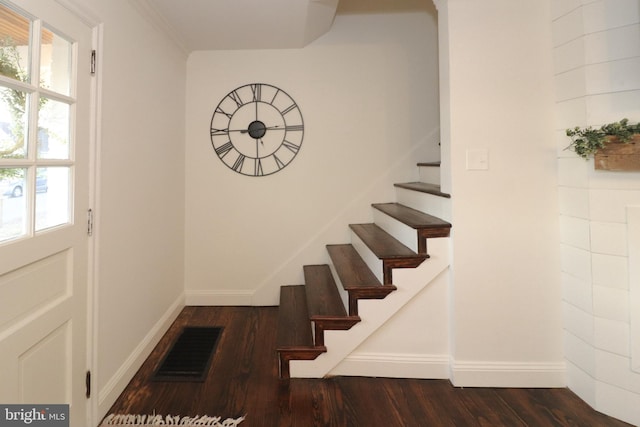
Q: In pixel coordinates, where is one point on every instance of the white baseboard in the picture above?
(394, 365)
(222, 297)
(508, 374)
(114, 387)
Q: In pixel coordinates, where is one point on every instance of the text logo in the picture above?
(34, 415)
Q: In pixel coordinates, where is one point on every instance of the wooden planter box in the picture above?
(617, 156)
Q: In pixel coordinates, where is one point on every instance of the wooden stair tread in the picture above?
(382, 244)
(423, 187)
(356, 277)
(326, 309)
(294, 328)
(294, 338)
(413, 218)
(351, 268)
(323, 298)
(388, 249)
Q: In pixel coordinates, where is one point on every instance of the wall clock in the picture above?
(257, 129)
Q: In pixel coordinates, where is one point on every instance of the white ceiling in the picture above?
(240, 24)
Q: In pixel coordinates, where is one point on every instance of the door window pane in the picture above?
(15, 34)
(52, 186)
(35, 121)
(13, 203)
(55, 62)
(13, 123)
(53, 129)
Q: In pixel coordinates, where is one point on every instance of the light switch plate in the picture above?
(477, 159)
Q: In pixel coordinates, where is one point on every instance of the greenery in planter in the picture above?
(586, 141)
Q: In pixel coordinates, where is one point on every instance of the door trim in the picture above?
(91, 20)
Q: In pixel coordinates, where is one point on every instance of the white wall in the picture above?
(368, 93)
(140, 205)
(597, 69)
(506, 300)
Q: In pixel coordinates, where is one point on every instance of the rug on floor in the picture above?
(171, 420)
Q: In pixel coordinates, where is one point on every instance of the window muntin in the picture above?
(36, 118)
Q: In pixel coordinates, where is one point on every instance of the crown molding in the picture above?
(149, 11)
(81, 11)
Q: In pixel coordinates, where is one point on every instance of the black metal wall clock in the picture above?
(257, 129)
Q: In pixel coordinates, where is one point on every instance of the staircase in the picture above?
(399, 238)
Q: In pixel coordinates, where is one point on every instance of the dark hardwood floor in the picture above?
(243, 380)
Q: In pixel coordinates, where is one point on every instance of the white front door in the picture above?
(45, 115)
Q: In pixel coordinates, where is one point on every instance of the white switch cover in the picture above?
(478, 159)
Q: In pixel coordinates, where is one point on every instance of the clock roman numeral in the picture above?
(238, 163)
(256, 90)
(294, 128)
(224, 149)
(236, 97)
(215, 131)
(220, 110)
(275, 96)
(258, 168)
(288, 109)
(291, 146)
(278, 162)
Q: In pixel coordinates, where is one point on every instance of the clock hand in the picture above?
(242, 130)
(238, 130)
(266, 128)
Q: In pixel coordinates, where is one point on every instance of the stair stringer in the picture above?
(375, 313)
(413, 343)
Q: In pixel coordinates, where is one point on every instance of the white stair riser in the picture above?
(402, 232)
(425, 202)
(344, 295)
(429, 174)
(372, 261)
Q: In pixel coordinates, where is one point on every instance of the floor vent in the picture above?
(190, 356)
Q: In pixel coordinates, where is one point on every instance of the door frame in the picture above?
(89, 18)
